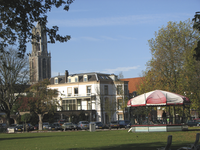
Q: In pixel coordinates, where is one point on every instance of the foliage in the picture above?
(110, 107)
(172, 67)
(18, 18)
(26, 117)
(196, 25)
(14, 73)
(40, 99)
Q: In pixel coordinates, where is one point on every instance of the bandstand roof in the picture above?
(158, 98)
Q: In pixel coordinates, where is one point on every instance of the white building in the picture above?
(89, 93)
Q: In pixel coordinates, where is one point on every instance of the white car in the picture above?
(45, 125)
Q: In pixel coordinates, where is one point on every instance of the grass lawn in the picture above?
(77, 140)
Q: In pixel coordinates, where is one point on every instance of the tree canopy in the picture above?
(40, 100)
(172, 66)
(17, 19)
(196, 25)
(14, 77)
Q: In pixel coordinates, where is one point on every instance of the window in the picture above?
(88, 90)
(125, 89)
(69, 80)
(76, 79)
(85, 78)
(75, 91)
(119, 90)
(69, 104)
(119, 105)
(89, 105)
(69, 91)
(56, 80)
(120, 117)
(106, 89)
(79, 104)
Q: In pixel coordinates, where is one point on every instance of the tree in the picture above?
(196, 25)
(120, 76)
(14, 76)
(172, 67)
(41, 99)
(25, 117)
(18, 18)
(110, 107)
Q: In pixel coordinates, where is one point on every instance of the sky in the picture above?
(111, 36)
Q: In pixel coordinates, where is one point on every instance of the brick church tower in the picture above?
(39, 59)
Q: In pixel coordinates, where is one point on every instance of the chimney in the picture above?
(66, 75)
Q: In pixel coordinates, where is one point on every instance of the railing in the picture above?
(81, 95)
(158, 120)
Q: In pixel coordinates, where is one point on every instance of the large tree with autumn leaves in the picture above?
(40, 100)
(172, 66)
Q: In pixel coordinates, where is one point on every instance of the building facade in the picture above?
(39, 59)
(98, 96)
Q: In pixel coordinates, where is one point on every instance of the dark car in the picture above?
(114, 124)
(100, 125)
(55, 126)
(35, 127)
(19, 128)
(61, 122)
(83, 125)
(193, 123)
(124, 123)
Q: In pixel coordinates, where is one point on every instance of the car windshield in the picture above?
(113, 122)
(98, 123)
(127, 121)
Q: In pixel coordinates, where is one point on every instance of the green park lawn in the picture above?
(110, 139)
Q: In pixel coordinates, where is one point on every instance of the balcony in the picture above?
(90, 95)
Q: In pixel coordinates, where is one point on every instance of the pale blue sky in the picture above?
(110, 36)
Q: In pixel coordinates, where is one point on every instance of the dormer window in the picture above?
(69, 80)
(56, 80)
(76, 79)
(85, 78)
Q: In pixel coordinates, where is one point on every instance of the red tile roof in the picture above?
(133, 83)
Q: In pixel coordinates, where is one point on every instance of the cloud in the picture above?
(110, 21)
(123, 69)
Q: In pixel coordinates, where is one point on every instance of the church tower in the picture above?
(39, 59)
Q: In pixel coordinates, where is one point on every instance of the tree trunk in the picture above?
(40, 121)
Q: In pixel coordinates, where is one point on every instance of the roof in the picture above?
(133, 83)
(93, 76)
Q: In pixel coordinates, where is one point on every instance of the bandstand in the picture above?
(143, 111)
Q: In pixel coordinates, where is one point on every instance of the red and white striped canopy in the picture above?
(158, 98)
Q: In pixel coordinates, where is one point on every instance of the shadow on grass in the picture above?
(29, 137)
(135, 146)
(13, 138)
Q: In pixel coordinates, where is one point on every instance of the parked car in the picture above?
(124, 123)
(35, 127)
(100, 125)
(193, 123)
(114, 124)
(61, 122)
(83, 125)
(19, 128)
(45, 125)
(55, 126)
(69, 126)
(11, 128)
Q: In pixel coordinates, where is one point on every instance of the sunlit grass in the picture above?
(115, 139)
